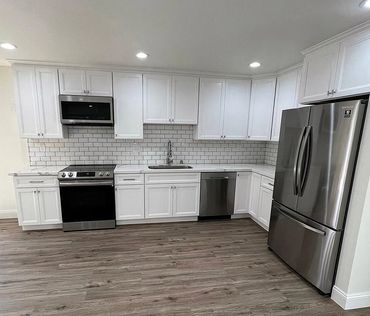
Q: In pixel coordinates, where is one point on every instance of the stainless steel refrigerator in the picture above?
(315, 165)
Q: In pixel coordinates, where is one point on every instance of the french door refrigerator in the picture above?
(315, 166)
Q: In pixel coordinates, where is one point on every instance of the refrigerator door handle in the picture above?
(315, 230)
(303, 160)
(295, 167)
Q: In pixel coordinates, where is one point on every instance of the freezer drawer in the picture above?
(307, 247)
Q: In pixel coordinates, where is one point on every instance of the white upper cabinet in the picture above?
(353, 75)
(26, 101)
(223, 109)
(236, 109)
(157, 99)
(318, 76)
(338, 69)
(128, 105)
(261, 109)
(82, 82)
(99, 83)
(286, 97)
(170, 99)
(36, 91)
(211, 105)
(185, 100)
(47, 91)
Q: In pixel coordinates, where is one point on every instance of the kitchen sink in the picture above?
(170, 167)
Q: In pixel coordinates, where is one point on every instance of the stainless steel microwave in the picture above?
(86, 110)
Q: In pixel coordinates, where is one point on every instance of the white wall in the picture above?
(13, 150)
(352, 285)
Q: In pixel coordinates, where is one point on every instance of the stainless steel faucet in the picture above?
(169, 159)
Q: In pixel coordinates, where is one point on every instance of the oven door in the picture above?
(87, 204)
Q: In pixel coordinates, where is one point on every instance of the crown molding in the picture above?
(338, 37)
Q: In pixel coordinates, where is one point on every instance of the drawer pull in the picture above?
(129, 179)
(37, 181)
(271, 184)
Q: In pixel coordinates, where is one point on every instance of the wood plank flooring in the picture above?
(198, 268)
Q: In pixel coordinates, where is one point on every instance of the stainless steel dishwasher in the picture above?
(217, 193)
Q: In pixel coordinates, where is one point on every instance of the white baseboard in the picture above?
(239, 216)
(350, 301)
(8, 214)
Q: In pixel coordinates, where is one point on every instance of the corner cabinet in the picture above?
(128, 105)
(170, 99)
(286, 97)
(223, 109)
(85, 82)
(338, 69)
(37, 103)
(261, 109)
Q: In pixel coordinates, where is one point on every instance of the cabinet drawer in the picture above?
(268, 183)
(172, 178)
(123, 179)
(36, 181)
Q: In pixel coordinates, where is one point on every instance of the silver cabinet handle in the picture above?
(128, 179)
(169, 120)
(271, 184)
(333, 91)
(328, 93)
(37, 181)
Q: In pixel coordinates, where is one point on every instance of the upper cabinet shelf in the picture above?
(338, 69)
(85, 82)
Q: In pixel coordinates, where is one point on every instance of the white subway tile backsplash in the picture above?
(95, 145)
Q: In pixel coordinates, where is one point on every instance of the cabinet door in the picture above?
(261, 109)
(255, 194)
(353, 76)
(211, 106)
(26, 101)
(28, 208)
(236, 110)
(99, 83)
(158, 200)
(286, 97)
(157, 99)
(129, 202)
(264, 208)
(72, 81)
(128, 105)
(319, 73)
(242, 192)
(186, 199)
(49, 205)
(48, 91)
(185, 100)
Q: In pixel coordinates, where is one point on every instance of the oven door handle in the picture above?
(85, 183)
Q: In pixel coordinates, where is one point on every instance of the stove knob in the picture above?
(70, 174)
(107, 174)
(101, 174)
(63, 175)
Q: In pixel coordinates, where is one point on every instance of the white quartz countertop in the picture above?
(265, 170)
(38, 171)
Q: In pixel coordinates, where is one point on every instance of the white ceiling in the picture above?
(203, 35)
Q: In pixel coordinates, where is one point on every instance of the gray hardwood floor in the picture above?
(199, 268)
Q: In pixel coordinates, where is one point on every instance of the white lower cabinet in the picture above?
(261, 199)
(242, 192)
(186, 199)
(264, 207)
(38, 206)
(129, 202)
(158, 200)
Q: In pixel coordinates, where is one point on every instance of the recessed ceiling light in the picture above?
(255, 64)
(142, 55)
(365, 4)
(7, 46)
